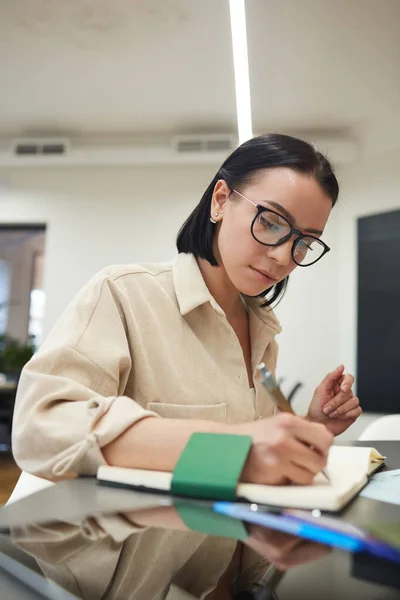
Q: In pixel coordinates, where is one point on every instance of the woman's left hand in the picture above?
(333, 403)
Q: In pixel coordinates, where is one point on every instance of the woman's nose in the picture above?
(282, 254)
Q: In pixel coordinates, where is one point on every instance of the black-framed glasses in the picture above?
(270, 228)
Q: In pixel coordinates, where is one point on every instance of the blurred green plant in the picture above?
(14, 354)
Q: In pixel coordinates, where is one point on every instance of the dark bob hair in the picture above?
(241, 167)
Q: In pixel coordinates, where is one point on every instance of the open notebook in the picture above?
(348, 468)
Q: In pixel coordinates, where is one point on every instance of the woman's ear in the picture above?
(220, 197)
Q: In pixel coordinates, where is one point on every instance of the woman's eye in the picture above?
(268, 224)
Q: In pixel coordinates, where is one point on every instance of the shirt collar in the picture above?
(190, 288)
(191, 292)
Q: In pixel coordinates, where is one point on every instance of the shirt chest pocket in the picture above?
(207, 412)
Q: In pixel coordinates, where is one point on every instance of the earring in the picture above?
(213, 221)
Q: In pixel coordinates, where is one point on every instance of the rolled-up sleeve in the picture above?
(70, 400)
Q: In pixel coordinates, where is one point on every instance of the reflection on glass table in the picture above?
(120, 555)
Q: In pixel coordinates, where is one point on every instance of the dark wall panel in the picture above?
(378, 348)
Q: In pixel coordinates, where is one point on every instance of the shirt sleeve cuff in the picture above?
(108, 419)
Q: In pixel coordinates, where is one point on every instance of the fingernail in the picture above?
(334, 414)
(327, 409)
(345, 388)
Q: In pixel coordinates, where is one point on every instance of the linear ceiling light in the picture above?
(241, 69)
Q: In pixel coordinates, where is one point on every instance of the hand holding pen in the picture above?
(280, 452)
(278, 398)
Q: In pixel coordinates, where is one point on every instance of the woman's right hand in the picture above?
(281, 450)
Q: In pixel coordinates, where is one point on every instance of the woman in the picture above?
(181, 341)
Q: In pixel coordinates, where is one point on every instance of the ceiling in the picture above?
(96, 67)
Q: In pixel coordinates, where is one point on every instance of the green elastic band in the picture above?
(205, 520)
(210, 466)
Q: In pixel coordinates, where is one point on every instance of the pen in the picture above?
(277, 397)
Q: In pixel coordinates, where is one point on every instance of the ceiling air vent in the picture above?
(203, 143)
(219, 145)
(26, 149)
(189, 145)
(40, 147)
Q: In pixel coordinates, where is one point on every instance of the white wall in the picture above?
(98, 217)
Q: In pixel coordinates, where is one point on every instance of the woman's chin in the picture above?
(252, 291)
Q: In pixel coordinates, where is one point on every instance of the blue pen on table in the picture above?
(353, 540)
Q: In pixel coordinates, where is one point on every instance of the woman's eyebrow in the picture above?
(290, 217)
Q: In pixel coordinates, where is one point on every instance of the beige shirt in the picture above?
(137, 341)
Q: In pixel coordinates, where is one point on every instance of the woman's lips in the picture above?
(265, 275)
